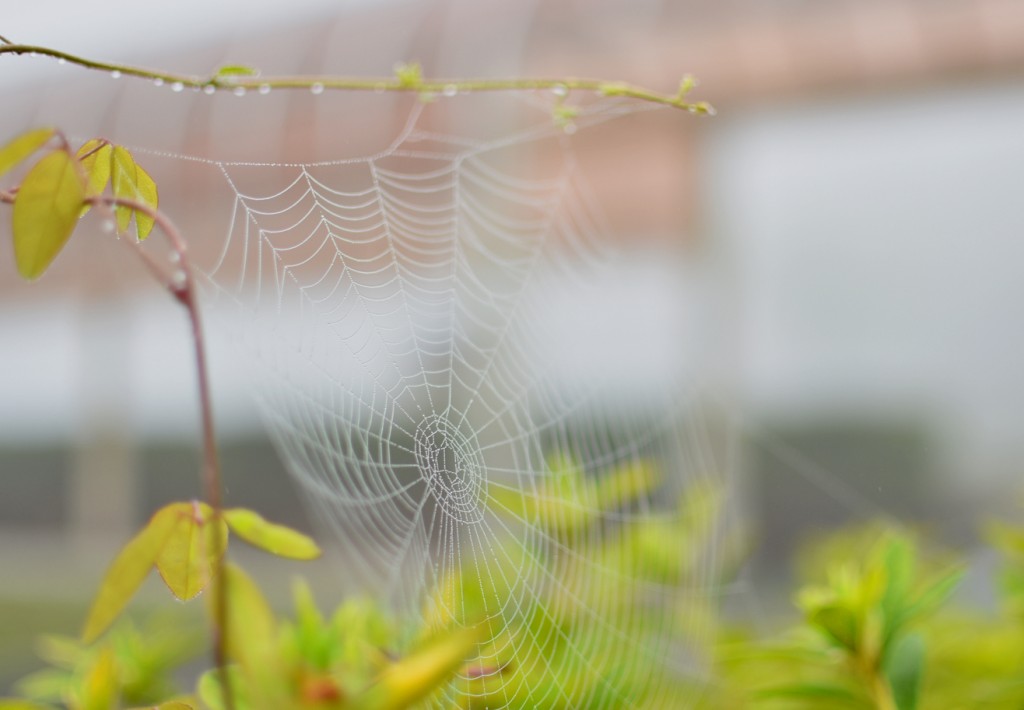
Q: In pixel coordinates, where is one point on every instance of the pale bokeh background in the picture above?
(840, 247)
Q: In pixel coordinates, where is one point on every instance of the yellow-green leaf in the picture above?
(251, 626)
(633, 481)
(45, 212)
(821, 694)
(169, 705)
(47, 685)
(418, 675)
(409, 75)
(124, 181)
(148, 195)
(191, 553)
(60, 651)
(276, 539)
(95, 156)
(126, 573)
(210, 689)
(18, 704)
(130, 182)
(22, 147)
(99, 690)
(234, 70)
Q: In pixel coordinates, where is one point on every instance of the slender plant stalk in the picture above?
(401, 82)
(184, 291)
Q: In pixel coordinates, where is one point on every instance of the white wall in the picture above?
(873, 249)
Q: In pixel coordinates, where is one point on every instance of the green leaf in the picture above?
(45, 212)
(126, 573)
(838, 622)
(191, 553)
(633, 481)
(275, 539)
(235, 70)
(99, 689)
(130, 182)
(307, 613)
(897, 558)
(95, 157)
(904, 666)
(147, 194)
(818, 692)
(124, 179)
(211, 690)
(22, 147)
(251, 626)
(18, 704)
(1008, 539)
(60, 651)
(934, 595)
(418, 675)
(360, 624)
(409, 75)
(687, 84)
(48, 684)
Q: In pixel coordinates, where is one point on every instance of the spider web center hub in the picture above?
(452, 466)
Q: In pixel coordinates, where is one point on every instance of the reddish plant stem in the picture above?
(184, 291)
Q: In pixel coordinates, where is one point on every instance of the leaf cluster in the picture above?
(132, 667)
(876, 629)
(185, 543)
(348, 661)
(61, 187)
(878, 632)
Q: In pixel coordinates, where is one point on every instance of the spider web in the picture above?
(397, 312)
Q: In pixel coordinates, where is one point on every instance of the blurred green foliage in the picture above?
(594, 610)
(132, 666)
(348, 660)
(599, 579)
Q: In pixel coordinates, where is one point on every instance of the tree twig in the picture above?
(401, 82)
